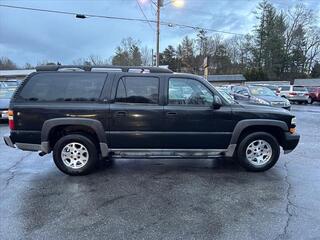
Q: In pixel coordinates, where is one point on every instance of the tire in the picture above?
(310, 100)
(244, 151)
(83, 151)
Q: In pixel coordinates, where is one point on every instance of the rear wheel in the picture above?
(75, 154)
(258, 152)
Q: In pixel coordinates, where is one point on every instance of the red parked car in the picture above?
(314, 94)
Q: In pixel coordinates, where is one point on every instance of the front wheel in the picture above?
(310, 100)
(75, 154)
(258, 152)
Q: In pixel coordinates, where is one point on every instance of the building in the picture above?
(312, 82)
(277, 83)
(226, 79)
(19, 74)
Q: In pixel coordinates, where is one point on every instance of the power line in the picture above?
(170, 24)
(144, 15)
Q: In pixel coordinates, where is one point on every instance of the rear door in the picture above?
(190, 120)
(136, 112)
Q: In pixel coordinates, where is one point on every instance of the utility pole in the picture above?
(159, 5)
(152, 57)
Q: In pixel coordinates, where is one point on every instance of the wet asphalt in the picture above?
(165, 199)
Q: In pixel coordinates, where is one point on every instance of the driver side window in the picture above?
(188, 92)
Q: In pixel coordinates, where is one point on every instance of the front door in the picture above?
(136, 113)
(190, 120)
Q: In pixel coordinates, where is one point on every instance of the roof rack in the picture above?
(103, 68)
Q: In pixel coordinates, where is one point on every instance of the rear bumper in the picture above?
(8, 141)
(23, 146)
(290, 142)
(298, 98)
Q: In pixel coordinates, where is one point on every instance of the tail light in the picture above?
(10, 118)
(306, 94)
(292, 93)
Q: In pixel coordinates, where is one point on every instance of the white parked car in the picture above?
(293, 93)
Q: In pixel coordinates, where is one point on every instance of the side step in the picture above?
(167, 153)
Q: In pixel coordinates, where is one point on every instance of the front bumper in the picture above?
(290, 142)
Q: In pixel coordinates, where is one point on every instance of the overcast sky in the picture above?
(33, 37)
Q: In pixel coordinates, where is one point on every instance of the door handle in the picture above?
(121, 113)
(171, 113)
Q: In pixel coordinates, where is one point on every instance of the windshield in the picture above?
(273, 88)
(5, 93)
(261, 91)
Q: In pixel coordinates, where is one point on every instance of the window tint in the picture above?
(138, 90)
(64, 87)
(188, 92)
(299, 89)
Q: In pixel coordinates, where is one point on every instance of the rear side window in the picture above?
(64, 87)
(138, 90)
(299, 89)
(285, 88)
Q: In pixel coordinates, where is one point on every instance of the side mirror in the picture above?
(217, 102)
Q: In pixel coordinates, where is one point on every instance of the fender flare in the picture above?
(93, 124)
(243, 124)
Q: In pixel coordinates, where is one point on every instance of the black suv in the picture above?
(85, 114)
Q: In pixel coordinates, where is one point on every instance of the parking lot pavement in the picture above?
(165, 199)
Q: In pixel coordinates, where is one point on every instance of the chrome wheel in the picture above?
(259, 152)
(309, 100)
(75, 155)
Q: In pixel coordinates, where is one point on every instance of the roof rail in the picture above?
(103, 68)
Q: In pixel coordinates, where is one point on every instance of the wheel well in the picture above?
(59, 131)
(275, 131)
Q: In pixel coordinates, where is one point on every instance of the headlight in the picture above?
(286, 102)
(293, 121)
(260, 101)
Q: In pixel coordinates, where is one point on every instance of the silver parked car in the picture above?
(259, 95)
(293, 93)
(5, 97)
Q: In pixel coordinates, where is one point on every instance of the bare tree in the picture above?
(92, 60)
(146, 56)
(312, 49)
(7, 64)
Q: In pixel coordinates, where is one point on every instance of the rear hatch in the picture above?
(300, 90)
